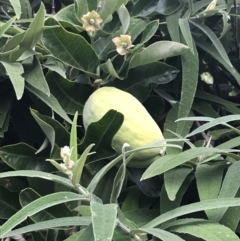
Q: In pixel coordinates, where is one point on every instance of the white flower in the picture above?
(123, 44)
(91, 21)
(65, 152)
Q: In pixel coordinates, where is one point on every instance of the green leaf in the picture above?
(194, 207)
(216, 42)
(100, 174)
(9, 203)
(6, 99)
(168, 7)
(124, 17)
(186, 32)
(101, 134)
(22, 157)
(59, 43)
(70, 95)
(166, 204)
(190, 68)
(39, 174)
(103, 220)
(82, 7)
(231, 179)
(161, 234)
(131, 202)
(51, 101)
(149, 31)
(7, 54)
(15, 71)
(171, 125)
(207, 230)
(211, 123)
(27, 40)
(158, 72)
(157, 51)
(209, 181)
(66, 15)
(136, 27)
(119, 178)
(17, 7)
(28, 195)
(111, 70)
(37, 206)
(109, 7)
(6, 26)
(168, 162)
(173, 180)
(141, 216)
(55, 223)
(73, 139)
(228, 105)
(57, 134)
(79, 165)
(173, 24)
(35, 77)
(55, 235)
(144, 8)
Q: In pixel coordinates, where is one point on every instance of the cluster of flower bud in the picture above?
(67, 164)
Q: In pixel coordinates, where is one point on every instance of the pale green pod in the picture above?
(138, 128)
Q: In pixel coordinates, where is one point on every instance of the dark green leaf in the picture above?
(22, 157)
(101, 134)
(209, 181)
(167, 7)
(54, 131)
(144, 8)
(9, 203)
(51, 101)
(33, 74)
(59, 43)
(70, 95)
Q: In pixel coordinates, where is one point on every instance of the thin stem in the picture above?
(128, 230)
(204, 135)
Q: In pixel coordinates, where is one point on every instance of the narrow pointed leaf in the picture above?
(6, 26)
(208, 231)
(103, 220)
(38, 174)
(190, 68)
(55, 223)
(35, 77)
(231, 179)
(37, 206)
(79, 165)
(17, 7)
(173, 180)
(73, 139)
(168, 162)
(216, 42)
(194, 207)
(15, 71)
(162, 234)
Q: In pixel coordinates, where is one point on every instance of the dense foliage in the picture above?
(180, 59)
